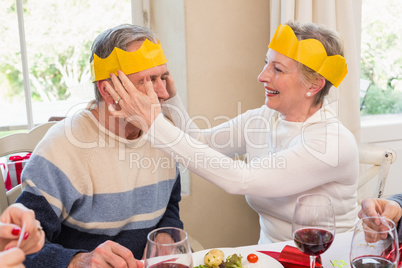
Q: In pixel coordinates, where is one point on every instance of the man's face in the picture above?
(158, 75)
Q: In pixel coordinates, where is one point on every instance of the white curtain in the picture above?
(344, 16)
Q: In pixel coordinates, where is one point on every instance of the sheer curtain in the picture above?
(344, 16)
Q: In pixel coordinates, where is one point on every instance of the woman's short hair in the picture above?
(333, 44)
(120, 36)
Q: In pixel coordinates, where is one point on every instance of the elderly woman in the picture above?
(20, 234)
(294, 144)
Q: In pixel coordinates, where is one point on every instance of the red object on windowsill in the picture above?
(14, 168)
(292, 257)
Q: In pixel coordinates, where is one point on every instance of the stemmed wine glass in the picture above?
(374, 243)
(313, 225)
(168, 247)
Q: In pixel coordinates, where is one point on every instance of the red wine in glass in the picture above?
(374, 248)
(168, 247)
(372, 262)
(313, 241)
(313, 225)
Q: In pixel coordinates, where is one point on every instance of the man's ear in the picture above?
(103, 91)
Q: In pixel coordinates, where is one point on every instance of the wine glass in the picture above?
(313, 225)
(168, 247)
(374, 245)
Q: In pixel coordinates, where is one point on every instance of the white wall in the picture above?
(225, 46)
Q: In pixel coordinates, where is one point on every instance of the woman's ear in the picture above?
(103, 91)
(317, 85)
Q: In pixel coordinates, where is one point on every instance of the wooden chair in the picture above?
(17, 143)
(375, 162)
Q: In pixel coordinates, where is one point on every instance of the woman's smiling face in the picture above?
(284, 90)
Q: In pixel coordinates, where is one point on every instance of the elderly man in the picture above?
(94, 181)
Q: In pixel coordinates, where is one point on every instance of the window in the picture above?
(58, 37)
(381, 64)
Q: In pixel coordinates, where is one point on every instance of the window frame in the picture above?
(140, 12)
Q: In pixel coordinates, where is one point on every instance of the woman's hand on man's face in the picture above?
(139, 108)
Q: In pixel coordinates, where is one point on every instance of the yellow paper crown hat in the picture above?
(311, 53)
(147, 56)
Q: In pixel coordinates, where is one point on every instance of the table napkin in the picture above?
(292, 257)
(389, 252)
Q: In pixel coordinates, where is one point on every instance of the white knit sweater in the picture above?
(284, 160)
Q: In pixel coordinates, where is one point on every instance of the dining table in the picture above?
(336, 256)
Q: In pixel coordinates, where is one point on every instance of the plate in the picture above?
(263, 259)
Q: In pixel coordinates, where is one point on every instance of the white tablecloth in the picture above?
(338, 251)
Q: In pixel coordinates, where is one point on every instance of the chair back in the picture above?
(375, 162)
(17, 143)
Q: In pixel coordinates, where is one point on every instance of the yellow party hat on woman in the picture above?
(311, 53)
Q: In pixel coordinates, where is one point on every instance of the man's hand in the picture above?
(161, 238)
(386, 208)
(108, 254)
(164, 238)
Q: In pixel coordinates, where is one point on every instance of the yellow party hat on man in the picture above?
(147, 56)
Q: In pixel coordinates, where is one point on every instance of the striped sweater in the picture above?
(87, 185)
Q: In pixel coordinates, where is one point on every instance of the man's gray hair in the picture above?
(120, 36)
